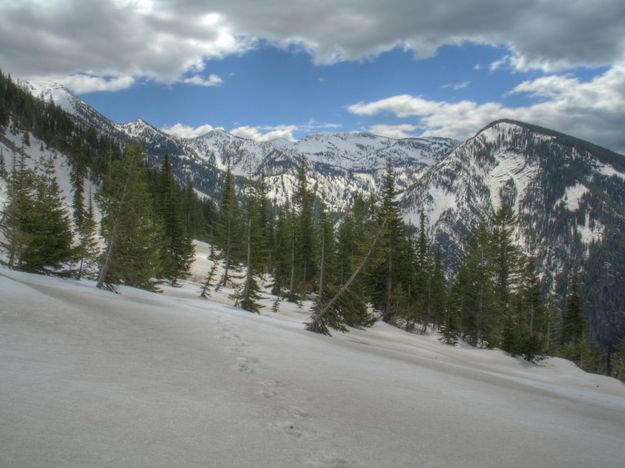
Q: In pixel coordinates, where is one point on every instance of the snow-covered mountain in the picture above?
(340, 165)
(568, 195)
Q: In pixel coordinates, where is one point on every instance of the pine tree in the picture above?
(479, 313)
(506, 256)
(3, 168)
(130, 226)
(15, 220)
(88, 250)
(50, 237)
(284, 237)
(573, 320)
(423, 276)
(228, 229)
(352, 242)
(77, 175)
(392, 232)
(249, 293)
(438, 297)
(305, 248)
(211, 274)
(178, 251)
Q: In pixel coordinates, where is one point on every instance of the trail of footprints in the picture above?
(290, 420)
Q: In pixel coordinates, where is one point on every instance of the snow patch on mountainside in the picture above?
(573, 195)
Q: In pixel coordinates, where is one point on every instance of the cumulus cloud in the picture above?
(112, 38)
(394, 131)
(185, 131)
(165, 40)
(211, 80)
(266, 133)
(594, 110)
(82, 83)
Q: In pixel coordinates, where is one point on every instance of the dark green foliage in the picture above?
(438, 291)
(178, 251)
(385, 273)
(506, 255)
(3, 167)
(15, 218)
(305, 244)
(479, 307)
(353, 240)
(38, 228)
(130, 227)
(87, 250)
(573, 319)
(256, 248)
(228, 229)
(283, 246)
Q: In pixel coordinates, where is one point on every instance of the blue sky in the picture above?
(269, 86)
(287, 68)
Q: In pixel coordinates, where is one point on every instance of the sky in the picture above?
(287, 68)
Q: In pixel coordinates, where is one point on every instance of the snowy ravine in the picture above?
(90, 378)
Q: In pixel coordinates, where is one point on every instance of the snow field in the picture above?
(90, 378)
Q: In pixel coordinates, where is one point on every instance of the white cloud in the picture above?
(497, 64)
(165, 40)
(185, 131)
(257, 134)
(211, 80)
(456, 86)
(394, 131)
(593, 110)
(81, 83)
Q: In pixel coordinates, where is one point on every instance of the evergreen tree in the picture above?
(438, 296)
(77, 175)
(352, 243)
(88, 250)
(14, 223)
(3, 168)
(506, 256)
(130, 226)
(249, 293)
(228, 229)
(178, 250)
(282, 251)
(211, 274)
(391, 227)
(305, 248)
(573, 323)
(50, 237)
(479, 313)
(423, 276)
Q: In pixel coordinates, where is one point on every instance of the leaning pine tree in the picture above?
(129, 225)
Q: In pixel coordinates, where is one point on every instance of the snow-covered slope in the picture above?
(62, 97)
(90, 378)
